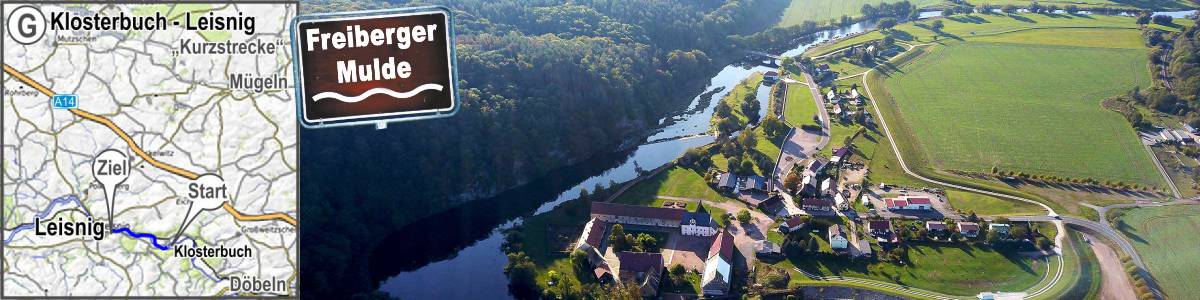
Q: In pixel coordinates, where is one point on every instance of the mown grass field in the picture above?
(977, 25)
(800, 107)
(823, 10)
(677, 182)
(1166, 239)
(1141, 4)
(1038, 111)
(956, 269)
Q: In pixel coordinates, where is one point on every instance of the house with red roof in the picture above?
(719, 266)
(914, 203)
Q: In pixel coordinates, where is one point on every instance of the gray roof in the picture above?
(727, 180)
(702, 219)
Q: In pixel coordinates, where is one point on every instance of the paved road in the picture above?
(800, 144)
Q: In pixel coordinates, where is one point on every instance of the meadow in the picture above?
(1038, 111)
(1166, 239)
(976, 25)
(825, 10)
(956, 269)
(800, 107)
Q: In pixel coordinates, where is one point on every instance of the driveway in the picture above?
(800, 145)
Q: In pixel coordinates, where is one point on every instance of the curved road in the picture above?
(1051, 216)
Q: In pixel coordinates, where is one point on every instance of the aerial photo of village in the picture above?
(845, 149)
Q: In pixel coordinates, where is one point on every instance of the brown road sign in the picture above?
(374, 67)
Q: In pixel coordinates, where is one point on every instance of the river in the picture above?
(456, 254)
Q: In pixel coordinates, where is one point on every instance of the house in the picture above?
(1184, 137)
(637, 215)
(968, 229)
(815, 166)
(816, 204)
(767, 249)
(839, 155)
(770, 76)
(840, 201)
(727, 182)
(641, 268)
(828, 188)
(837, 238)
(879, 227)
(792, 224)
(854, 94)
(1189, 128)
(935, 226)
(908, 203)
(831, 96)
(822, 69)
(1000, 229)
(698, 223)
(717, 268)
(808, 185)
(772, 205)
(919, 203)
(590, 240)
(754, 183)
(862, 249)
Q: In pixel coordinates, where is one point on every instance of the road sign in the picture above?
(374, 67)
(64, 101)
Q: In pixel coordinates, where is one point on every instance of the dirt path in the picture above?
(1114, 283)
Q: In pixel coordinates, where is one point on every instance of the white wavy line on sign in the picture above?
(378, 90)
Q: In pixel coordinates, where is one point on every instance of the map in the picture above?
(149, 150)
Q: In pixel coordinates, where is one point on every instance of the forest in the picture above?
(543, 85)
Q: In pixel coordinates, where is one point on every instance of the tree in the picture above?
(747, 166)
(724, 218)
(521, 275)
(887, 23)
(1164, 20)
(868, 11)
(647, 243)
(938, 25)
(743, 216)
(735, 164)
(792, 181)
(1071, 8)
(678, 270)
(1044, 243)
(617, 238)
(1009, 9)
(580, 263)
(1143, 18)
(747, 139)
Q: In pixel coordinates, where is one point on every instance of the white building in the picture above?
(698, 223)
(837, 238)
(717, 268)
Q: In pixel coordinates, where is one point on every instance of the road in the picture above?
(1115, 284)
(800, 145)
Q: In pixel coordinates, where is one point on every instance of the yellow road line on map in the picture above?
(138, 150)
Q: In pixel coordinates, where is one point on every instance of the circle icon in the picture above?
(26, 24)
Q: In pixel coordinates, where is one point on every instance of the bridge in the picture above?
(763, 54)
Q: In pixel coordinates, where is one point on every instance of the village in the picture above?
(811, 208)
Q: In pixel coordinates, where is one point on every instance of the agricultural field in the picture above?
(1158, 5)
(1038, 112)
(821, 11)
(1166, 239)
(977, 25)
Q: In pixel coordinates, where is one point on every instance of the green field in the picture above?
(1140, 4)
(800, 107)
(978, 25)
(956, 269)
(1166, 239)
(1038, 111)
(821, 11)
(677, 182)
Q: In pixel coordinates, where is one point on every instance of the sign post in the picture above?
(374, 67)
